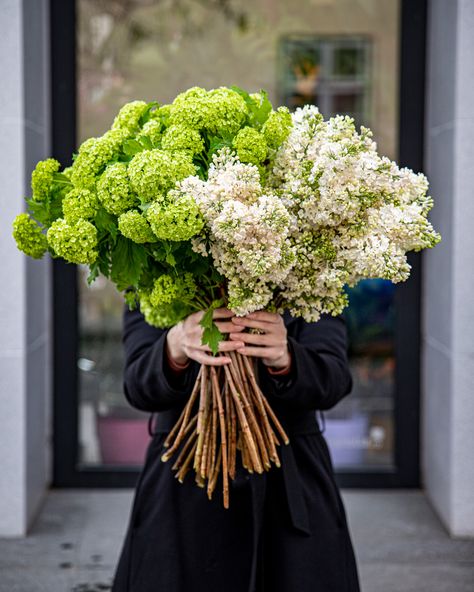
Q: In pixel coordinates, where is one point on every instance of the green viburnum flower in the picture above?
(181, 137)
(177, 221)
(228, 109)
(76, 243)
(128, 118)
(153, 172)
(42, 178)
(80, 203)
(161, 114)
(135, 227)
(277, 127)
(219, 111)
(114, 190)
(190, 108)
(93, 156)
(250, 146)
(28, 236)
(167, 289)
(152, 129)
(162, 316)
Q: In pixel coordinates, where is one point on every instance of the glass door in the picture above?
(346, 56)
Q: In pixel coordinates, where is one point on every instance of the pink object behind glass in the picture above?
(123, 441)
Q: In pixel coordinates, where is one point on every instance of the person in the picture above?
(285, 529)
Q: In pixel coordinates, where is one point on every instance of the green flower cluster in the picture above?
(79, 203)
(162, 114)
(219, 110)
(167, 289)
(93, 156)
(128, 118)
(152, 129)
(114, 191)
(28, 236)
(176, 221)
(181, 137)
(153, 172)
(76, 243)
(277, 127)
(250, 146)
(42, 179)
(135, 227)
(162, 316)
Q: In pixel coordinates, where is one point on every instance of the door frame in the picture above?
(406, 472)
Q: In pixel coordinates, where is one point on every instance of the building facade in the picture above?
(401, 67)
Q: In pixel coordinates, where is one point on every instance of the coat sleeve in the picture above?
(320, 375)
(149, 383)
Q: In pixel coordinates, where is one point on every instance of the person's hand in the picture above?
(184, 339)
(271, 345)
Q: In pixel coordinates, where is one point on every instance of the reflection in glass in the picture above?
(327, 71)
(348, 61)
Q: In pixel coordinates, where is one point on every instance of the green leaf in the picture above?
(216, 143)
(130, 297)
(62, 179)
(132, 147)
(211, 335)
(259, 114)
(106, 223)
(128, 260)
(243, 93)
(39, 211)
(93, 272)
(170, 259)
(147, 113)
(146, 142)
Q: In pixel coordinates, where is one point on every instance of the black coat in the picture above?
(286, 529)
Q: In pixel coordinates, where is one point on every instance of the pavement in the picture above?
(73, 547)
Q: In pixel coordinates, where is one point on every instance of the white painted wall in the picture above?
(25, 408)
(448, 282)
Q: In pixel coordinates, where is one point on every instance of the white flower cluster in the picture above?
(354, 214)
(330, 213)
(246, 230)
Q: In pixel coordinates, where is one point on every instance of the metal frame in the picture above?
(66, 472)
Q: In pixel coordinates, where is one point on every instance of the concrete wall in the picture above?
(25, 366)
(448, 282)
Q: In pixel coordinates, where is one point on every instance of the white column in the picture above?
(25, 363)
(448, 273)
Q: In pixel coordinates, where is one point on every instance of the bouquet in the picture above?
(218, 199)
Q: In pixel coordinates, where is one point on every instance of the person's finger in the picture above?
(222, 313)
(228, 326)
(262, 315)
(224, 346)
(255, 339)
(258, 352)
(203, 358)
(254, 324)
(196, 317)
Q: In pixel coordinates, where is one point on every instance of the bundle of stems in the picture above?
(232, 415)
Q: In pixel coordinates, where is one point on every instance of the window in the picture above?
(330, 72)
